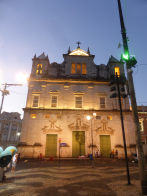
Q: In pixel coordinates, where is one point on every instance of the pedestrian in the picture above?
(116, 153)
(14, 161)
(112, 154)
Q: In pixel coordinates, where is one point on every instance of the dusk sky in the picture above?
(51, 26)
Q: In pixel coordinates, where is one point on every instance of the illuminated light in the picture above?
(125, 56)
(88, 117)
(94, 114)
(79, 52)
(22, 77)
(18, 134)
(33, 116)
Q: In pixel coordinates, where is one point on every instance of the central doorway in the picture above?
(105, 145)
(78, 143)
(51, 145)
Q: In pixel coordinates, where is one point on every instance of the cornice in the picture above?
(75, 110)
(106, 82)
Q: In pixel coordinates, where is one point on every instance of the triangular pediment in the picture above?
(79, 52)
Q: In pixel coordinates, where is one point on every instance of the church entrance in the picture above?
(105, 145)
(78, 143)
(51, 145)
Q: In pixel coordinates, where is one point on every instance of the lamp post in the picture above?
(130, 62)
(6, 92)
(91, 118)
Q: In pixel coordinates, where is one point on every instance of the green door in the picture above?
(78, 143)
(105, 145)
(51, 145)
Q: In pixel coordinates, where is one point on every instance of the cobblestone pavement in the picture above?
(71, 178)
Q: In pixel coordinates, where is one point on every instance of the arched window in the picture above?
(39, 69)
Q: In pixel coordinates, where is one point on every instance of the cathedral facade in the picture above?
(69, 110)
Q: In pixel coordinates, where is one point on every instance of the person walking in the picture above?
(14, 161)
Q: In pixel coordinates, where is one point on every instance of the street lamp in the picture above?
(6, 92)
(90, 118)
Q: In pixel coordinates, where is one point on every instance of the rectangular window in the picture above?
(54, 101)
(33, 116)
(117, 70)
(35, 101)
(73, 68)
(84, 71)
(78, 102)
(102, 102)
(78, 68)
(141, 125)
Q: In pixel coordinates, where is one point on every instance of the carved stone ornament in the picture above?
(51, 128)
(78, 125)
(104, 129)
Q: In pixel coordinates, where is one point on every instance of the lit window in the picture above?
(98, 117)
(78, 101)
(33, 116)
(54, 101)
(102, 102)
(84, 71)
(47, 115)
(39, 69)
(141, 125)
(35, 101)
(73, 68)
(117, 70)
(78, 68)
(109, 117)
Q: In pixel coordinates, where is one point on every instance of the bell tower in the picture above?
(40, 66)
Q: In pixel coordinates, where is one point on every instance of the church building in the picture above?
(69, 110)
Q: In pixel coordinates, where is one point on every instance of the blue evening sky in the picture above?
(51, 26)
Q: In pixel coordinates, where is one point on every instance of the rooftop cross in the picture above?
(78, 44)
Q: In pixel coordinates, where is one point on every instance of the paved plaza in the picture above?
(71, 178)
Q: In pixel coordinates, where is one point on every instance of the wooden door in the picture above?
(51, 145)
(105, 145)
(78, 143)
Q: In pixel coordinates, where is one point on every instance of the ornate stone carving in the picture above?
(51, 128)
(104, 129)
(78, 125)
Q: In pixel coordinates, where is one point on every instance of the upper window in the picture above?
(84, 71)
(78, 102)
(33, 116)
(141, 125)
(117, 70)
(54, 101)
(73, 68)
(78, 68)
(102, 102)
(35, 101)
(39, 69)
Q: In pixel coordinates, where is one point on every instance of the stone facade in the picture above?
(61, 96)
(142, 113)
(10, 129)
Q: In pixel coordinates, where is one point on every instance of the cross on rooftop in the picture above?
(78, 44)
